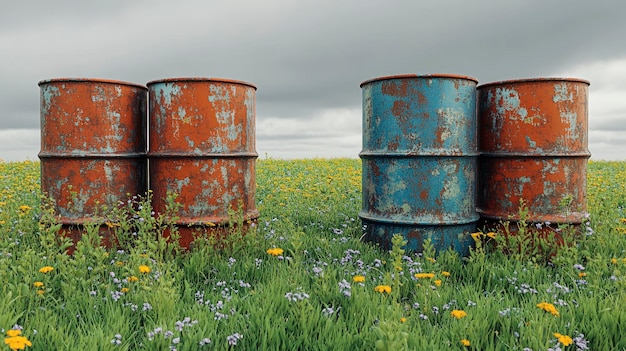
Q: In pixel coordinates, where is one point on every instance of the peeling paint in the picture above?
(419, 160)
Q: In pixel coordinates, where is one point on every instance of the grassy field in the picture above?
(303, 280)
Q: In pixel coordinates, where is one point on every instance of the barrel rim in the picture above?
(534, 80)
(90, 80)
(412, 75)
(200, 80)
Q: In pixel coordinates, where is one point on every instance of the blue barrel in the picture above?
(419, 160)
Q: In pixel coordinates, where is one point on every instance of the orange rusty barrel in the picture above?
(202, 148)
(533, 145)
(93, 147)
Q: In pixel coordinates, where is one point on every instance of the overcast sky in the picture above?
(307, 58)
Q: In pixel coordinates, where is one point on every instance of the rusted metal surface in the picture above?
(93, 146)
(202, 148)
(533, 144)
(419, 160)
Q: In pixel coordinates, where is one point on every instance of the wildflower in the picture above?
(383, 289)
(117, 339)
(438, 282)
(582, 274)
(445, 274)
(424, 275)
(40, 292)
(465, 342)
(458, 314)
(275, 251)
(46, 269)
(144, 269)
(564, 339)
(232, 339)
(614, 260)
(132, 279)
(476, 236)
(431, 260)
(358, 279)
(548, 307)
(124, 290)
(38, 284)
(205, 341)
(403, 320)
(15, 341)
(25, 208)
(491, 235)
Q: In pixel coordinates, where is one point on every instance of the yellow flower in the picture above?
(438, 282)
(46, 269)
(119, 263)
(458, 314)
(112, 224)
(548, 307)
(38, 284)
(40, 292)
(25, 208)
(132, 279)
(476, 236)
(125, 290)
(445, 274)
(144, 269)
(13, 332)
(465, 342)
(424, 275)
(403, 320)
(383, 289)
(15, 341)
(614, 260)
(491, 235)
(564, 339)
(582, 274)
(275, 251)
(623, 220)
(431, 260)
(358, 279)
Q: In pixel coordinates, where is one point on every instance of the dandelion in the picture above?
(144, 269)
(15, 341)
(124, 290)
(383, 289)
(614, 260)
(445, 274)
(275, 251)
(458, 314)
(403, 320)
(38, 284)
(25, 208)
(46, 269)
(40, 292)
(465, 342)
(358, 279)
(424, 275)
(564, 339)
(548, 307)
(132, 279)
(437, 282)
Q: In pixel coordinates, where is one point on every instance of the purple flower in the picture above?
(232, 339)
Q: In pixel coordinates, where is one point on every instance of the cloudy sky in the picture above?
(307, 58)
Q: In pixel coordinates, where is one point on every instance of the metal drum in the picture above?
(93, 147)
(419, 160)
(202, 148)
(533, 144)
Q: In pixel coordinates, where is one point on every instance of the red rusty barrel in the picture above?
(202, 148)
(533, 145)
(93, 146)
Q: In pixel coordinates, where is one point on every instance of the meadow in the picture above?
(302, 279)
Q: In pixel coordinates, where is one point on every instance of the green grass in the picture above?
(306, 298)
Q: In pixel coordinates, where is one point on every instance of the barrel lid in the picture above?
(200, 79)
(89, 80)
(406, 76)
(534, 80)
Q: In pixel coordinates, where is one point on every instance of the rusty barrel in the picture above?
(533, 145)
(419, 160)
(202, 148)
(93, 147)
